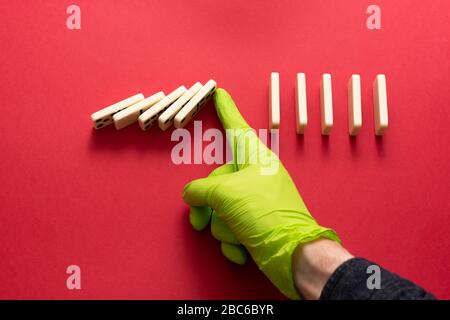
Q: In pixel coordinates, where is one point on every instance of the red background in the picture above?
(110, 201)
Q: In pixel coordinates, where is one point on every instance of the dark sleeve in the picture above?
(350, 282)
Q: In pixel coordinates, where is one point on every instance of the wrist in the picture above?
(313, 263)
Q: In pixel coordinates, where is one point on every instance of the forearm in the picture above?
(323, 269)
(314, 263)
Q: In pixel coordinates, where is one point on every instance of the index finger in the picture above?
(228, 113)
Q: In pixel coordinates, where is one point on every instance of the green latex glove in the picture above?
(253, 204)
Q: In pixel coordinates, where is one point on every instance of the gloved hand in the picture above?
(253, 203)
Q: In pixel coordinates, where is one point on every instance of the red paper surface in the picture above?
(110, 201)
